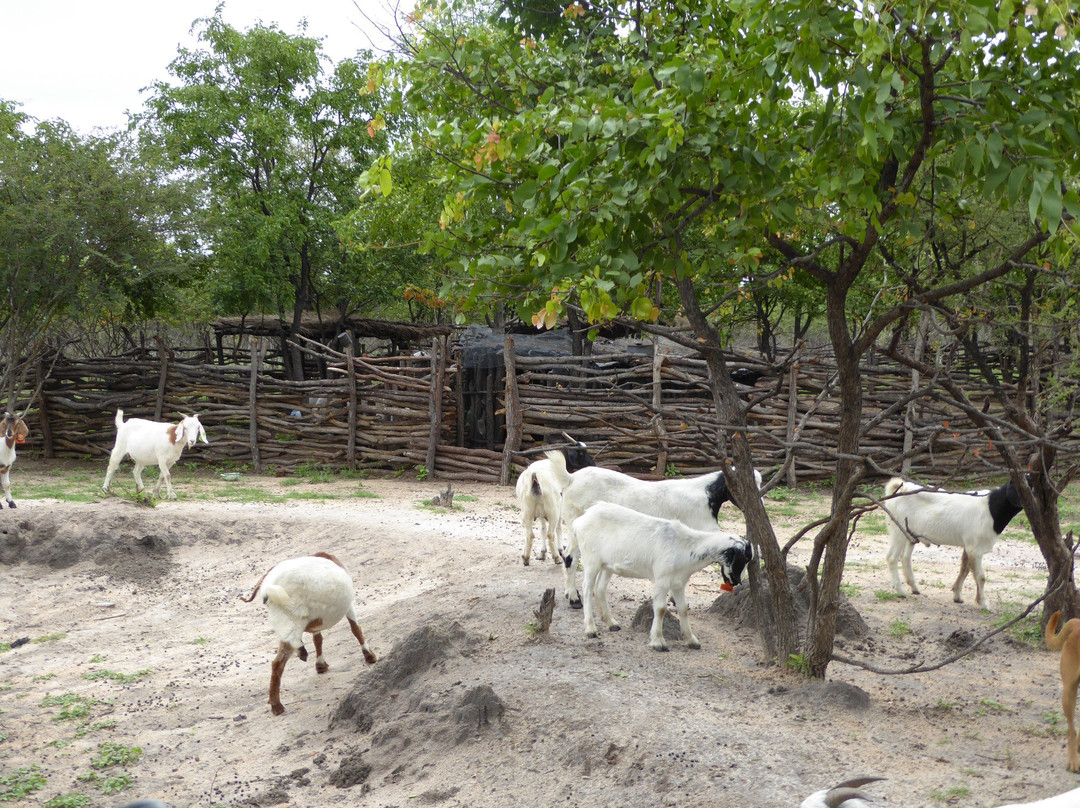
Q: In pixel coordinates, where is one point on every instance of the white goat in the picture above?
(152, 442)
(694, 501)
(310, 593)
(540, 496)
(615, 540)
(973, 521)
(12, 431)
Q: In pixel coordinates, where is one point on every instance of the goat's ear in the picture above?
(21, 430)
(178, 430)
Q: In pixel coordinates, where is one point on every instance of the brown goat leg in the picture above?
(276, 669)
(369, 655)
(320, 663)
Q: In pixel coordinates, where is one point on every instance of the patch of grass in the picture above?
(21, 783)
(799, 663)
(116, 784)
(73, 707)
(86, 729)
(950, 794)
(115, 754)
(886, 595)
(72, 800)
(49, 638)
(466, 498)
(899, 628)
(122, 678)
(873, 525)
(850, 590)
(1027, 631)
(44, 677)
(362, 493)
(987, 706)
(200, 641)
(943, 706)
(422, 472)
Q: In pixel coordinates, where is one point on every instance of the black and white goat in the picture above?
(149, 442)
(973, 521)
(694, 501)
(12, 431)
(616, 540)
(310, 593)
(540, 497)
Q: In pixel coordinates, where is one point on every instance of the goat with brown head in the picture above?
(12, 431)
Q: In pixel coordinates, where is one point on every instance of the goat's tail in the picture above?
(1055, 640)
(893, 485)
(558, 468)
(119, 419)
(255, 591)
(278, 596)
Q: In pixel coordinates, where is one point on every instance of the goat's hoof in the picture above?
(576, 604)
(369, 657)
(302, 653)
(11, 504)
(614, 627)
(277, 709)
(321, 667)
(525, 560)
(659, 647)
(592, 635)
(695, 645)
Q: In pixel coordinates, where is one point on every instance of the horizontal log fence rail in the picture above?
(651, 415)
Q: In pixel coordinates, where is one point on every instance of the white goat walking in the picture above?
(973, 521)
(615, 540)
(150, 442)
(12, 431)
(310, 593)
(540, 496)
(694, 501)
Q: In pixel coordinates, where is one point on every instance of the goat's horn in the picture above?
(572, 440)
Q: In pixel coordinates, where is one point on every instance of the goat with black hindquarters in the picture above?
(973, 521)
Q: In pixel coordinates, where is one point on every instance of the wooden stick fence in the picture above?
(647, 414)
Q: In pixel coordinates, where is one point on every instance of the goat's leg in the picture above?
(570, 558)
(5, 481)
(909, 575)
(369, 655)
(1070, 680)
(165, 477)
(277, 667)
(980, 581)
(892, 559)
(549, 535)
(321, 665)
(137, 474)
(527, 517)
(602, 581)
(114, 462)
(659, 609)
(965, 568)
(678, 592)
(588, 583)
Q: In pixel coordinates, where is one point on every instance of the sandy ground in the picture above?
(138, 639)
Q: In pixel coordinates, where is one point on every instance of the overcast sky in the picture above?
(85, 61)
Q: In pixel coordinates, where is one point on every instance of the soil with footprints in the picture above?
(137, 638)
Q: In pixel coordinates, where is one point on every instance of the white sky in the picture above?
(85, 61)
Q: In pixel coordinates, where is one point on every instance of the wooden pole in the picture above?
(350, 370)
(909, 411)
(253, 429)
(459, 396)
(438, 367)
(657, 407)
(163, 380)
(792, 416)
(513, 412)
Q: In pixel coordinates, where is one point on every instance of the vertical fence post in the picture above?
(163, 379)
(658, 408)
(909, 410)
(350, 370)
(513, 412)
(792, 415)
(438, 367)
(253, 428)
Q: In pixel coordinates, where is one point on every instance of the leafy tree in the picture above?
(705, 141)
(279, 144)
(87, 233)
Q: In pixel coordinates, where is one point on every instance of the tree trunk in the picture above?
(775, 614)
